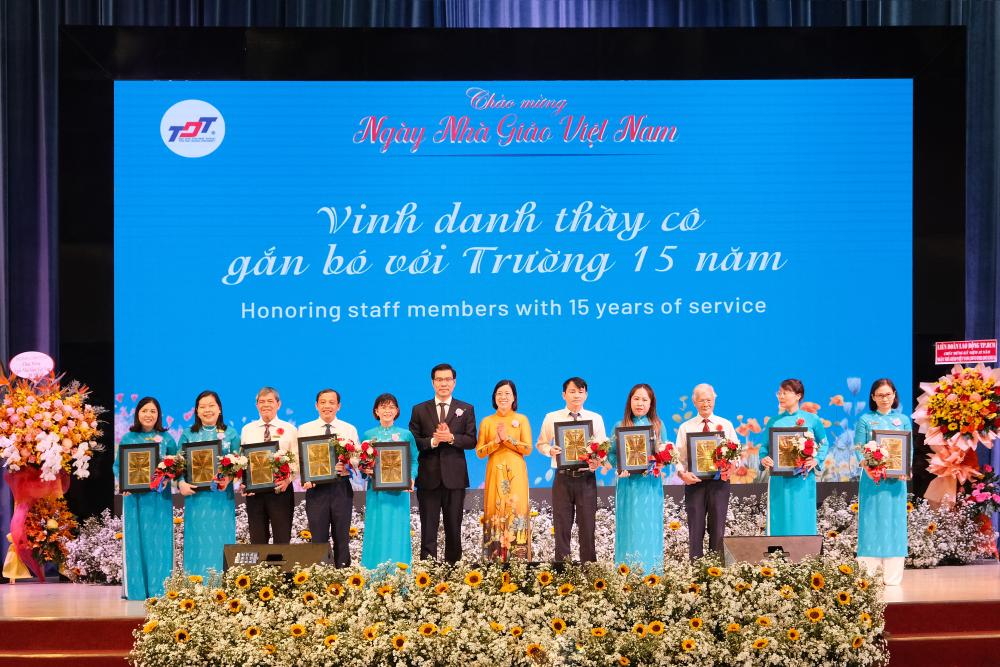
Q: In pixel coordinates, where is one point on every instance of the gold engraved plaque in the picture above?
(575, 440)
(138, 468)
(260, 468)
(635, 450)
(787, 454)
(202, 466)
(319, 459)
(705, 456)
(392, 467)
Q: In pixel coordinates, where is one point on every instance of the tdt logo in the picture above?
(192, 128)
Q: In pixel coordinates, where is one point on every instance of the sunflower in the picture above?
(186, 604)
(845, 569)
(764, 621)
(909, 507)
(557, 624)
(544, 577)
(402, 567)
(857, 642)
(383, 590)
(817, 581)
(815, 614)
(235, 606)
(173, 595)
(422, 580)
(787, 592)
(300, 578)
(688, 645)
(219, 595)
(623, 661)
(508, 588)
(760, 643)
(398, 643)
(832, 534)
(324, 621)
(624, 569)
(355, 581)
(371, 632)
(496, 627)
(714, 571)
(694, 588)
(651, 580)
(733, 627)
(427, 629)
(854, 508)
(600, 584)
(696, 623)
(598, 632)
(305, 534)
(843, 597)
(353, 531)
(639, 630)
(149, 627)
(445, 630)
(178, 520)
(862, 584)
(329, 639)
(441, 588)
(534, 651)
(335, 589)
(266, 594)
(252, 632)
(474, 578)
(269, 649)
(766, 572)
(566, 589)
(309, 597)
(932, 527)
(195, 578)
(515, 631)
(297, 630)
(243, 581)
(656, 628)
(182, 635)
(866, 619)
(792, 634)
(674, 525)
(741, 586)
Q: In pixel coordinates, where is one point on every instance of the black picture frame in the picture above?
(697, 465)
(570, 433)
(145, 455)
(626, 440)
(394, 482)
(892, 470)
(783, 467)
(254, 476)
(322, 470)
(194, 453)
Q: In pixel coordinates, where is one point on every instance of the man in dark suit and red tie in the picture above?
(444, 429)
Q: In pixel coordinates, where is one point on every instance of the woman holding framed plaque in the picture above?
(505, 437)
(209, 505)
(387, 513)
(797, 451)
(882, 530)
(147, 516)
(638, 496)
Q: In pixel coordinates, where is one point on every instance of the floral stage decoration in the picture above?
(958, 413)
(48, 432)
(821, 611)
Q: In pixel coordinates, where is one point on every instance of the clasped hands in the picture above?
(442, 434)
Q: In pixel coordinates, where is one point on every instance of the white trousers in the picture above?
(892, 568)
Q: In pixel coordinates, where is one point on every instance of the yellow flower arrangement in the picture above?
(252, 632)
(688, 645)
(764, 621)
(300, 578)
(186, 604)
(844, 568)
(651, 580)
(266, 594)
(544, 577)
(496, 627)
(733, 627)
(558, 625)
(243, 581)
(792, 634)
(656, 628)
(219, 595)
(402, 567)
(623, 661)
(474, 578)
(515, 631)
(866, 619)
(815, 614)
(329, 640)
(422, 580)
(173, 595)
(760, 643)
(639, 630)
(817, 581)
(696, 623)
(335, 589)
(305, 534)
(235, 606)
(566, 589)
(353, 531)
(441, 588)
(534, 651)
(182, 635)
(370, 633)
(309, 597)
(714, 571)
(355, 581)
(195, 578)
(766, 572)
(674, 525)
(600, 584)
(398, 643)
(598, 632)
(150, 626)
(297, 630)
(857, 642)
(843, 597)
(383, 590)
(624, 569)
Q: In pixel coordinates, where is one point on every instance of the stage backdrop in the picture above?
(354, 234)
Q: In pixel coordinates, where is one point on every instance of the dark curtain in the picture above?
(28, 121)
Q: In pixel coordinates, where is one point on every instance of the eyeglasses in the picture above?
(784, 392)
(882, 397)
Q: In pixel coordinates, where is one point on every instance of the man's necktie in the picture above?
(575, 416)
(267, 431)
(442, 415)
(705, 429)
(328, 431)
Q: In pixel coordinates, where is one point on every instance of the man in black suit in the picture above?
(444, 428)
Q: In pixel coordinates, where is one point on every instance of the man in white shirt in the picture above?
(704, 497)
(329, 505)
(269, 513)
(574, 491)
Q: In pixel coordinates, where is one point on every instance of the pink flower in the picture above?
(134, 397)
(158, 438)
(987, 468)
(996, 497)
(119, 398)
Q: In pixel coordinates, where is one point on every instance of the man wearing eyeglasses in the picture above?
(706, 500)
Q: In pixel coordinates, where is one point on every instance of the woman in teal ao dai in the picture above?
(882, 531)
(147, 517)
(639, 497)
(387, 513)
(209, 514)
(792, 500)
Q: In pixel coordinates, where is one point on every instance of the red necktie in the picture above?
(267, 431)
(705, 429)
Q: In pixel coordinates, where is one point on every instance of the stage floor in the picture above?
(33, 601)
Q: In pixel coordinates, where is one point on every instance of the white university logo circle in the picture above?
(192, 128)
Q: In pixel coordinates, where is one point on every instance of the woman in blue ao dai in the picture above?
(639, 497)
(147, 517)
(387, 513)
(209, 514)
(882, 531)
(791, 501)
